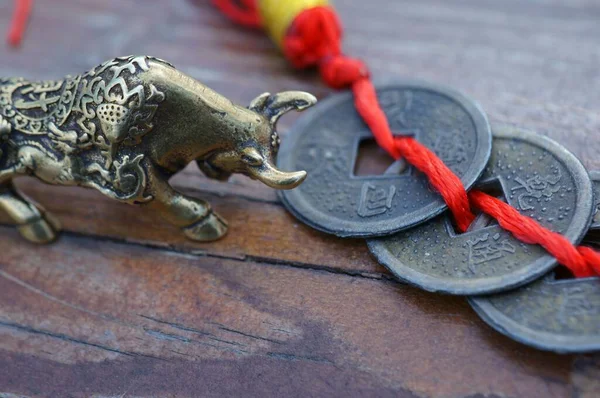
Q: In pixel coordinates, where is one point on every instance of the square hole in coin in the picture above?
(591, 240)
(372, 160)
(482, 220)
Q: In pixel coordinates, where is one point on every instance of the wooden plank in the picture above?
(85, 316)
(317, 315)
(258, 229)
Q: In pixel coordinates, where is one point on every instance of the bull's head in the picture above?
(254, 153)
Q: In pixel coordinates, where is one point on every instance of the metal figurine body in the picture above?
(124, 128)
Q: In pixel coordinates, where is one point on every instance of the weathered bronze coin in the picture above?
(593, 236)
(595, 176)
(536, 176)
(325, 143)
(555, 315)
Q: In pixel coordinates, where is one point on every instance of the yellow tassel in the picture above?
(278, 15)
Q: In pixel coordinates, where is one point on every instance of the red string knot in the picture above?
(315, 35)
(341, 71)
(314, 39)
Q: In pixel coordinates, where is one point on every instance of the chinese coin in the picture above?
(533, 174)
(593, 236)
(555, 315)
(325, 143)
(595, 176)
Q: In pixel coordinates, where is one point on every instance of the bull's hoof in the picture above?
(42, 230)
(209, 229)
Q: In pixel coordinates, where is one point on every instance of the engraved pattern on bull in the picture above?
(124, 128)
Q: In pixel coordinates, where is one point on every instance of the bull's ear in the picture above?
(274, 106)
(259, 103)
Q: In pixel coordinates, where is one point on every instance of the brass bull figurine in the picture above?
(124, 128)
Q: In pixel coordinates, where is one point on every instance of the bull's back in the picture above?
(26, 109)
(192, 121)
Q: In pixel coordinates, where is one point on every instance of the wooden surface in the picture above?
(124, 306)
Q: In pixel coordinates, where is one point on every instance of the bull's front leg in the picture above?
(33, 222)
(194, 216)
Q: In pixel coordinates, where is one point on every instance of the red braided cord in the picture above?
(19, 21)
(423, 159)
(314, 39)
(247, 15)
(582, 261)
(243, 13)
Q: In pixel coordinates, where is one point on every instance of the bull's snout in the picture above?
(274, 178)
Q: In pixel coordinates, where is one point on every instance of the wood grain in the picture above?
(123, 305)
(83, 302)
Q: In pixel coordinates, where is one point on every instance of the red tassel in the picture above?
(19, 21)
(314, 39)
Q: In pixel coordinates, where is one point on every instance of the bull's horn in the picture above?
(275, 178)
(259, 103)
(274, 106)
